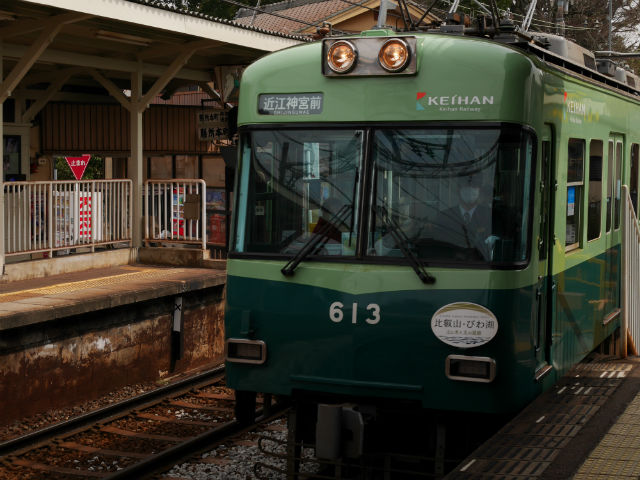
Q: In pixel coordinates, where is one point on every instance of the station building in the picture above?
(137, 86)
(115, 119)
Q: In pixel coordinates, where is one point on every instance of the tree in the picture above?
(215, 8)
(221, 8)
(586, 21)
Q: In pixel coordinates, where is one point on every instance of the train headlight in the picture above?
(470, 369)
(240, 350)
(342, 56)
(394, 55)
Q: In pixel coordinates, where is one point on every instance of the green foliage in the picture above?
(94, 170)
(215, 8)
(222, 8)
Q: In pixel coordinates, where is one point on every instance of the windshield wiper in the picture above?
(314, 243)
(402, 241)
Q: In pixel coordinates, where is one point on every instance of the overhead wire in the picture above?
(535, 21)
(540, 23)
(311, 24)
(279, 15)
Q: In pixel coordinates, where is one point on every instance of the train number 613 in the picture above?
(336, 313)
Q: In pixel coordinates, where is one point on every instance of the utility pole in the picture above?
(610, 23)
(253, 17)
(382, 13)
(563, 7)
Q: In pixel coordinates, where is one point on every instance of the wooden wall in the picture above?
(102, 129)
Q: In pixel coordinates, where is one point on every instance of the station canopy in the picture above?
(78, 50)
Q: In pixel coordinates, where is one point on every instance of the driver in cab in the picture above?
(468, 225)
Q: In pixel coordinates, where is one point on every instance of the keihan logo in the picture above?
(573, 106)
(453, 103)
(578, 110)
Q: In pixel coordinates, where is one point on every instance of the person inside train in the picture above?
(468, 224)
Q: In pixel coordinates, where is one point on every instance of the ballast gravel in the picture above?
(237, 460)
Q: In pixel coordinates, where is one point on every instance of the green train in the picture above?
(425, 220)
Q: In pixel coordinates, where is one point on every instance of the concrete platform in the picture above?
(70, 338)
(585, 427)
(23, 303)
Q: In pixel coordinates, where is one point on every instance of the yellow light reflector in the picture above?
(394, 55)
(342, 56)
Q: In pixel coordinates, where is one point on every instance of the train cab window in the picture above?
(457, 196)
(633, 187)
(296, 185)
(594, 212)
(575, 192)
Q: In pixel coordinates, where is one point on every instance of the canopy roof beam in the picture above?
(111, 87)
(56, 85)
(103, 63)
(31, 54)
(179, 62)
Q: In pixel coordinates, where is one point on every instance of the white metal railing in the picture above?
(175, 211)
(630, 327)
(58, 215)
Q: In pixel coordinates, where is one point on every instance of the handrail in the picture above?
(175, 211)
(630, 322)
(48, 216)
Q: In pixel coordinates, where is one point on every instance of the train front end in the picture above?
(353, 274)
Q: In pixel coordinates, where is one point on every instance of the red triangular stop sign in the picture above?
(78, 164)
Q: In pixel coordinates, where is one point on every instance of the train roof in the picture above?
(553, 49)
(568, 55)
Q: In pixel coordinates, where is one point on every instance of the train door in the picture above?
(613, 223)
(545, 291)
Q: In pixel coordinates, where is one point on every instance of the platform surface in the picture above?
(27, 302)
(587, 426)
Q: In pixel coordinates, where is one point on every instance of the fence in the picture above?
(630, 328)
(59, 215)
(175, 212)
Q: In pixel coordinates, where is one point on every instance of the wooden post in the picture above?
(136, 158)
(2, 225)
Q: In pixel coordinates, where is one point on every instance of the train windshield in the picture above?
(455, 195)
(432, 195)
(297, 186)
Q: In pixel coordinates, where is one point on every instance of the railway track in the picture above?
(136, 438)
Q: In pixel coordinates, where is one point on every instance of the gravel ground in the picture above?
(231, 461)
(235, 460)
(22, 426)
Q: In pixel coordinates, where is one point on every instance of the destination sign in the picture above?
(290, 104)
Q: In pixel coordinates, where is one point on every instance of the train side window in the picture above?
(633, 190)
(617, 187)
(575, 192)
(595, 190)
(609, 184)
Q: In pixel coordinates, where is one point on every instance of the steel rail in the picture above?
(117, 409)
(164, 460)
